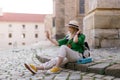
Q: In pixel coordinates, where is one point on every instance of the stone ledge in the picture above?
(98, 68)
(83, 67)
(105, 68)
(104, 4)
(113, 70)
(70, 65)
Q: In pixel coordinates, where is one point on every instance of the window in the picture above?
(10, 25)
(23, 35)
(82, 6)
(53, 22)
(10, 35)
(36, 26)
(23, 26)
(23, 43)
(36, 35)
(9, 43)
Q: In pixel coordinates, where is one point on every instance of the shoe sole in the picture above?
(28, 67)
(49, 72)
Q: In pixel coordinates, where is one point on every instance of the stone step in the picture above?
(98, 68)
(80, 67)
(101, 67)
(113, 70)
(83, 67)
(70, 65)
(106, 68)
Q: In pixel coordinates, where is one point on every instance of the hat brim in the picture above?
(74, 26)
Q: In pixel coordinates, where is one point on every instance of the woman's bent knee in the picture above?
(63, 46)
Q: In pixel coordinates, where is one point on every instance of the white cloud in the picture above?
(27, 6)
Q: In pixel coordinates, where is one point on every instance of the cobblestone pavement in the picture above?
(11, 65)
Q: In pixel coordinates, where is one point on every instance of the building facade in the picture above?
(102, 23)
(17, 29)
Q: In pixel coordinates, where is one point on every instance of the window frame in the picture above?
(10, 35)
(36, 35)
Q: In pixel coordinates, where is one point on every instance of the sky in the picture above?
(27, 6)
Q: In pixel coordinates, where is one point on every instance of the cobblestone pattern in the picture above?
(12, 68)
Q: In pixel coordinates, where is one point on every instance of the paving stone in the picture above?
(113, 70)
(77, 72)
(4, 76)
(87, 78)
(83, 67)
(90, 74)
(49, 77)
(116, 79)
(98, 79)
(23, 79)
(108, 78)
(83, 73)
(75, 76)
(62, 76)
(98, 68)
(99, 76)
(37, 78)
(13, 77)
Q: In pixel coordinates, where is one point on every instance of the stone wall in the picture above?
(66, 10)
(59, 18)
(102, 23)
(48, 23)
(86, 6)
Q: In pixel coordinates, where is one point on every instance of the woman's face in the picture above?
(71, 29)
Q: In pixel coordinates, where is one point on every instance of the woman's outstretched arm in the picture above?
(54, 41)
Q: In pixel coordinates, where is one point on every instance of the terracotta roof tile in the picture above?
(21, 17)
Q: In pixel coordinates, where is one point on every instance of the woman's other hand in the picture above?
(78, 32)
(50, 39)
(47, 34)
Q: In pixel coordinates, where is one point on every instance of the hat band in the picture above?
(74, 25)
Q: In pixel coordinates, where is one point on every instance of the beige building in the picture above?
(49, 24)
(17, 29)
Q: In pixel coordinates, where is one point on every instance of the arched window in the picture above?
(23, 35)
(53, 21)
(10, 25)
(10, 35)
(36, 35)
(36, 26)
(23, 43)
(82, 6)
(23, 26)
(10, 43)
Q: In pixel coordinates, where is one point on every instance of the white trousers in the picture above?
(68, 54)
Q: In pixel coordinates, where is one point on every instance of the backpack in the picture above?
(86, 52)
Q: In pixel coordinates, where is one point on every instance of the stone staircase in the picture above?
(103, 68)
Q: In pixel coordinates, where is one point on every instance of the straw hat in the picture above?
(73, 23)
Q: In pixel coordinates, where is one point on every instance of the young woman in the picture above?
(71, 49)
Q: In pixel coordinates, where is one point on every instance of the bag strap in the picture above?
(86, 46)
